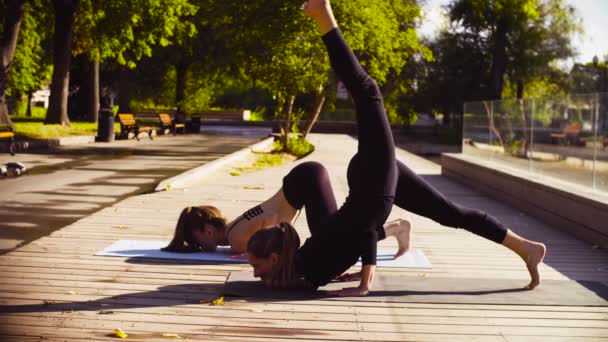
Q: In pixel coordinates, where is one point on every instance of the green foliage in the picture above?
(32, 65)
(296, 146)
(126, 31)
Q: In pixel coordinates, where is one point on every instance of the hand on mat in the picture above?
(349, 277)
(350, 292)
(239, 256)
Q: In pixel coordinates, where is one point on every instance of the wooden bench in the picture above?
(166, 121)
(570, 135)
(7, 132)
(129, 124)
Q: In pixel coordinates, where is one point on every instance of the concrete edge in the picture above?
(185, 179)
(26, 143)
(578, 214)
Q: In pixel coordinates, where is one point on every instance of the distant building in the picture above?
(40, 98)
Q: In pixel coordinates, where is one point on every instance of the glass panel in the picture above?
(476, 137)
(564, 138)
(601, 141)
(512, 133)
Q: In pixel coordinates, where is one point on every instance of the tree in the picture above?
(523, 36)
(32, 65)
(281, 47)
(125, 32)
(9, 31)
(65, 11)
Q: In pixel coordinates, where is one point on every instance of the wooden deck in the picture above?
(55, 289)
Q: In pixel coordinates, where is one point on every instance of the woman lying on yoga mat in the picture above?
(376, 181)
(203, 228)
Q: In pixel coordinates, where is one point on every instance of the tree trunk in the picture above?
(124, 91)
(30, 95)
(320, 100)
(525, 140)
(286, 128)
(93, 98)
(11, 17)
(493, 125)
(181, 68)
(520, 89)
(62, 57)
(499, 60)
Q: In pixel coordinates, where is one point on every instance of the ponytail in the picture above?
(283, 240)
(192, 218)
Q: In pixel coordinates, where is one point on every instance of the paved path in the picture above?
(57, 288)
(72, 182)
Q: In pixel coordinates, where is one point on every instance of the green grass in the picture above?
(34, 127)
(264, 161)
(297, 147)
(38, 130)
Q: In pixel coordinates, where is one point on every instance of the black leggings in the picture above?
(308, 185)
(351, 232)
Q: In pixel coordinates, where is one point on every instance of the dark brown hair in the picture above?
(190, 219)
(283, 240)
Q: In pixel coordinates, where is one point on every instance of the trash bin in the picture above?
(105, 127)
(194, 124)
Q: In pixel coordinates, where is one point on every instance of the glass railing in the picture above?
(563, 137)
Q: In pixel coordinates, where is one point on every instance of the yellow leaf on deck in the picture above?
(168, 186)
(219, 301)
(172, 335)
(73, 293)
(120, 227)
(119, 333)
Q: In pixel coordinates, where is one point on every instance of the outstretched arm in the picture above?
(367, 279)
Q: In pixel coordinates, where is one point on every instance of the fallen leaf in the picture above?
(219, 301)
(73, 293)
(120, 227)
(168, 186)
(105, 312)
(119, 333)
(172, 335)
(253, 187)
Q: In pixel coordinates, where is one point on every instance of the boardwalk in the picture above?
(57, 289)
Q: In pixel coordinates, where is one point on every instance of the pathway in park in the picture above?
(72, 182)
(58, 289)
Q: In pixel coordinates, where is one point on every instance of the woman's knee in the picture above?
(311, 171)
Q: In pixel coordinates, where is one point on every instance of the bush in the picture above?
(297, 147)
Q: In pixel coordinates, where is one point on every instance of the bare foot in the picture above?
(320, 11)
(536, 254)
(401, 229)
(316, 8)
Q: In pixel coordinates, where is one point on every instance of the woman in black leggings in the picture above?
(376, 182)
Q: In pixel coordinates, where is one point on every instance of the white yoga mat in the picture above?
(151, 249)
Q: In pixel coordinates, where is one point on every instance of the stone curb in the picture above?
(49, 143)
(187, 178)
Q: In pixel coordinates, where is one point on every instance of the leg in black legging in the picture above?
(373, 168)
(376, 172)
(308, 186)
(414, 194)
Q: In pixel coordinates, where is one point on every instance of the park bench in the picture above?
(7, 132)
(165, 121)
(129, 124)
(570, 135)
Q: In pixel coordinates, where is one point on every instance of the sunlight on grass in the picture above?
(264, 161)
(38, 130)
